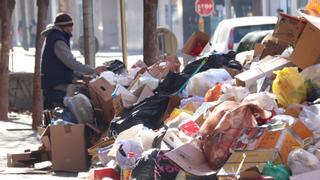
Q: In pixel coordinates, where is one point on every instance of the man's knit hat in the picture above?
(63, 19)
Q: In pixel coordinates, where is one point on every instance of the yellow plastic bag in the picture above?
(313, 8)
(289, 87)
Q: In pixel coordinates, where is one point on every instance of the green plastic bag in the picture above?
(279, 172)
(289, 86)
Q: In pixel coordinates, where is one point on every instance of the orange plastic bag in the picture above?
(214, 93)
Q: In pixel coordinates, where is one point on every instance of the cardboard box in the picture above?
(266, 67)
(307, 49)
(288, 28)
(301, 130)
(100, 91)
(198, 37)
(120, 103)
(282, 140)
(250, 158)
(68, 148)
(124, 99)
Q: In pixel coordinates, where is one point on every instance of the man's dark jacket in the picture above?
(53, 71)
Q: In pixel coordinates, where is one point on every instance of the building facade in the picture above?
(179, 16)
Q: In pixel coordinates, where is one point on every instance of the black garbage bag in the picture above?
(214, 61)
(149, 112)
(116, 66)
(172, 83)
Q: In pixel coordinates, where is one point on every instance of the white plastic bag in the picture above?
(302, 161)
(263, 99)
(202, 82)
(310, 115)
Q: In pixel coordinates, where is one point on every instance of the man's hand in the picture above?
(100, 69)
(86, 78)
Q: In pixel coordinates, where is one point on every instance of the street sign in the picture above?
(204, 7)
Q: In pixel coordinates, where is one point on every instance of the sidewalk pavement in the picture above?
(16, 135)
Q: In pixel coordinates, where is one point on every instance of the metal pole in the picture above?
(88, 31)
(123, 32)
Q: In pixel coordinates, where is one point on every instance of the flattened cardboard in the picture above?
(143, 92)
(190, 158)
(26, 159)
(100, 91)
(252, 158)
(307, 49)
(289, 28)
(68, 148)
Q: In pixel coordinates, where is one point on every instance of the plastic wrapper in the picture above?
(214, 93)
(202, 82)
(289, 87)
(301, 161)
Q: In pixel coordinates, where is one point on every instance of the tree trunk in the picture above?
(149, 31)
(37, 92)
(25, 43)
(6, 11)
(63, 5)
(88, 32)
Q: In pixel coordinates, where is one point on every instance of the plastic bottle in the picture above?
(126, 169)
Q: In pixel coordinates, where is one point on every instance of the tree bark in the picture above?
(149, 31)
(6, 11)
(88, 31)
(37, 92)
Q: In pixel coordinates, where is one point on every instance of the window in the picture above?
(240, 32)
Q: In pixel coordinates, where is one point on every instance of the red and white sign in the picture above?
(204, 7)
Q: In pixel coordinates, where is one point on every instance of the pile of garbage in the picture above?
(217, 118)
